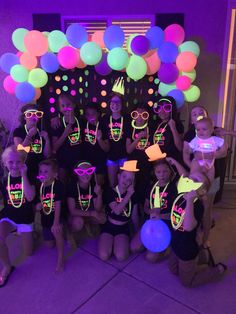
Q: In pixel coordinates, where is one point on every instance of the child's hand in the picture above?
(142, 134)
(190, 196)
(155, 213)
(170, 160)
(68, 130)
(44, 135)
(220, 132)
(55, 123)
(32, 131)
(23, 170)
(56, 228)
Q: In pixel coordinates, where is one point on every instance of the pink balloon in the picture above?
(68, 57)
(186, 61)
(28, 60)
(36, 43)
(80, 63)
(97, 37)
(9, 84)
(19, 53)
(174, 33)
(153, 63)
(183, 82)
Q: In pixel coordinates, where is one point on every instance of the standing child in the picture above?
(17, 214)
(51, 196)
(120, 203)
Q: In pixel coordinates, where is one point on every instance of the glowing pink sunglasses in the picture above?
(81, 172)
(157, 108)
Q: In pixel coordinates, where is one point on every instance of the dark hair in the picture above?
(142, 105)
(175, 114)
(67, 97)
(25, 108)
(49, 162)
(93, 105)
(160, 162)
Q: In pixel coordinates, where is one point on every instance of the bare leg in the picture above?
(50, 244)
(153, 257)
(121, 247)
(28, 243)
(105, 246)
(5, 229)
(60, 251)
(136, 244)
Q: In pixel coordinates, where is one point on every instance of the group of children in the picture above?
(103, 174)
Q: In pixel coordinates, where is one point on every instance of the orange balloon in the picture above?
(97, 37)
(186, 61)
(80, 64)
(37, 93)
(153, 63)
(149, 53)
(28, 61)
(36, 43)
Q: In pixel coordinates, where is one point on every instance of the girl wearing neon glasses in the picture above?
(169, 128)
(30, 134)
(84, 199)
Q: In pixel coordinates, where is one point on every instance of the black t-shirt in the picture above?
(93, 152)
(184, 243)
(110, 196)
(71, 151)
(48, 197)
(83, 197)
(117, 136)
(22, 215)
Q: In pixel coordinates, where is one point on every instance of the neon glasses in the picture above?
(167, 107)
(135, 114)
(81, 172)
(29, 113)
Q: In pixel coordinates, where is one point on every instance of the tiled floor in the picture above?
(90, 286)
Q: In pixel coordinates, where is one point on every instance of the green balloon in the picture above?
(19, 73)
(190, 46)
(46, 34)
(117, 58)
(192, 75)
(164, 89)
(91, 53)
(18, 38)
(192, 94)
(38, 78)
(128, 42)
(136, 68)
(57, 40)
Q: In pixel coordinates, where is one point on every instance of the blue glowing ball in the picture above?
(25, 92)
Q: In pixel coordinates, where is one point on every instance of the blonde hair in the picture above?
(12, 149)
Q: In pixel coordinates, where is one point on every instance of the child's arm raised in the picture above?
(58, 141)
(177, 138)
(181, 170)
(186, 154)
(189, 222)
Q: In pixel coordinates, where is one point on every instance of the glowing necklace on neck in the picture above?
(51, 198)
(77, 136)
(159, 134)
(142, 144)
(32, 145)
(116, 139)
(9, 191)
(80, 201)
(93, 142)
(138, 127)
(207, 165)
(158, 199)
(126, 213)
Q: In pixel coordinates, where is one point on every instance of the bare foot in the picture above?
(5, 273)
(60, 265)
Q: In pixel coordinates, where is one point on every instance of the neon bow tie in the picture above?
(25, 148)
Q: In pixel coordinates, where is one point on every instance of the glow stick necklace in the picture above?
(142, 144)
(93, 142)
(42, 189)
(32, 145)
(159, 134)
(120, 130)
(138, 127)
(212, 144)
(126, 213)
(9, 191)
(78, 132)
(157, 199)
(80, 201)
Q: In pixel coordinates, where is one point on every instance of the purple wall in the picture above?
(205, 22)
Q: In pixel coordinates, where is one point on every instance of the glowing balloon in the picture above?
(155, 235)
(102, 67)
(178, 97)
(153, 63)
(139, 45)
(192, 74)
(25, 92)
(38, 77)
(91, 53)
(168, 52)
(97, 37)
(28, 60)
(37, 93)
(128, 42)
(190, 46)
(136, 68)
(117, 58)
(68, 57)
(192, 94)
(168, 73)
(18, 38)
(9, 84)
(156, 37)
(183, 82)
(164, 89)
(76, 35)
(19, 73)
(174, 33)
(186, 61)
(36, 43)
(7, 61)
(49, 62)
(114, 37)
(57, 40)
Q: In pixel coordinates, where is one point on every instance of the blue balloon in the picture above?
(155, 235)
(25, 92)
(49, 62)
(76, 35)
(156, 37)
(168, 52)
(7, 61)
(113, 37)
(178, 95)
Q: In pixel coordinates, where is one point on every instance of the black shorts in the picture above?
(115, 230)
